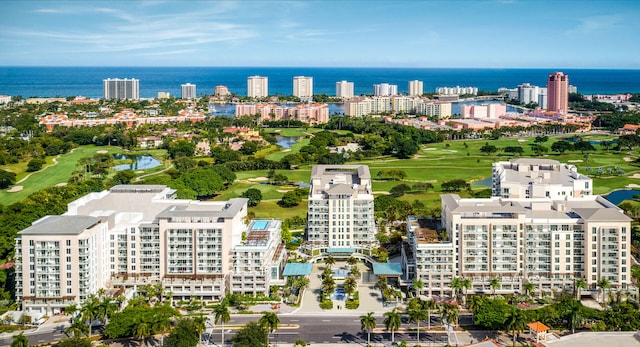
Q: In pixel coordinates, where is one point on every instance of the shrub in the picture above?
(326, 304)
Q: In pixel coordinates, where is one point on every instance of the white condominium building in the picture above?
(128, 236)
(257, 87)
(457, 90)
(385, 89)
(340, 217)
(363, 106)
(344, 89)
(538, 178)
(116, 88)
(188, 91)
(259, 258)
(303, 87)
(416, 88)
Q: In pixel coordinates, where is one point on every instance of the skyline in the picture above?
(531, 34)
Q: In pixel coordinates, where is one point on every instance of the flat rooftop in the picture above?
(598, 339)
(340, 179)
(61, 225)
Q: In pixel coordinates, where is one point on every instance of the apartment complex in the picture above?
(116, 88)
(385, 89)
(310, 113)
(362, 106)
(548, 241)
(132, 235)
(303, 87)
(416, 88)
(340, 217)
(257, 87)
(457, 90)
(558, 93)
(221, 91)
(344, 89)
(538, 178)
(188, 91)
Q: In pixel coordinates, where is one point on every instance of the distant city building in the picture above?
(303, 87)
(5, 99)
(542, 98)
(609, 98)
(528, 93)
(457, 90)
(539, 178)
(558, 93)
(257, 87)
(116, 88)
(483, 111)
(363, 106)
(341, 216)
(385, 89)
(221, 91)
(510, 93)
(416, 88)
(573, 89)
(188, 91)
(309, 113)
(344, 89)
(164, 95)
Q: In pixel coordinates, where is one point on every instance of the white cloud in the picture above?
(595, 25)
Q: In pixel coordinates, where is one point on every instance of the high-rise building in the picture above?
(528, 93)
(416, 88)
(188, 91)
(116, 88)
(221, 91)
(558, 93)
(344, 89)
(340, 217)
(385, 89)
(135, 234)
(257, 87)
(303, 87)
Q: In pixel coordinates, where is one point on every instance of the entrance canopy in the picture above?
(297, 269)
(387, 269)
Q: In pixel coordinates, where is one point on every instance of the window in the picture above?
(68, 243)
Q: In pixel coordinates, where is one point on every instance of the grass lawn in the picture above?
(61, 172)
(292, 132)
(294, 149)
(270, 209)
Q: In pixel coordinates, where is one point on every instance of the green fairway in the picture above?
(294, 149)
(58, 173)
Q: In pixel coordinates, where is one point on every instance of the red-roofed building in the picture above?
(538, 331)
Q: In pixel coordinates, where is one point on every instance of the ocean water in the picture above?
(87, 81)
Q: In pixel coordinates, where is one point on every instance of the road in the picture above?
(312, 328)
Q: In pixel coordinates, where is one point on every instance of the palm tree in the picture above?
(604, 284)
(516, 322)
(417, 286)
(382, 282)
(200, 324)
(107, 308)
(161, 325)
(466, 285)
(429, 305)
(392, 321)
(368, 323)
(19, 341)
(350, 285)
(301, 283)
(494, 283)
(77, 329)
(417, 314)
(456, 286)
(580, 284)
(528, 288)
(355, 272)
(352, 261)
(221, 315)
(90, 310)
(474, 303)
(330, 261)
(449, 313)
(573, 314)
(269, 321)
(142, 330)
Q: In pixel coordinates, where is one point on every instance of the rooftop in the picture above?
(61, 225)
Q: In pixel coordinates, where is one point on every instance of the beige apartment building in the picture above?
(128, 236)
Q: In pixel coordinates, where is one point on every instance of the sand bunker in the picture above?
(15, 189)
(522, 140)
(430, 149)
(102, 151)
(258, 179)
(635, 175)
(627, 159)
(61, 184)
(633, 185)
(575, 161)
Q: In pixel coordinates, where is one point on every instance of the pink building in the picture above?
(558, 93)
(483, 111)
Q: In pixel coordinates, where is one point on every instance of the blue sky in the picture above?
(482, 33)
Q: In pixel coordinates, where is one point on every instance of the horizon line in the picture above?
(318, 67)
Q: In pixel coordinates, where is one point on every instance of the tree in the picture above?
(251, 335)
(399, 190)
(290, 199)
(254, 195)
(330, 261)
(185, 334)
(350, 285)
(528, 288)
(75, 342)
(270, 322)
(429, 305)
(516, 322)
(573, 314)
(142, 331)
(392, 321)
(7, 178)
(417, 286)
(583, 146)
(352, 261)
(603, 284)
(123, 177)
(249, 147)
(19, 341)
(488, 149)
(202, 181)
(474, 304)
(418, 314)
(449, 313)
(35, 164)
(221, 315)
(368, 323)
(466, 285)
(77, 328)
(456, 286)
(561, 146)
(494, 283)
(181, 148)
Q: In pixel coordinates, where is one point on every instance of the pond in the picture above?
(286, 142)
(619, 196)
(139, 162)
(484, 182)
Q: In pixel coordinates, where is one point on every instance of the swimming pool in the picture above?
(260, 225)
